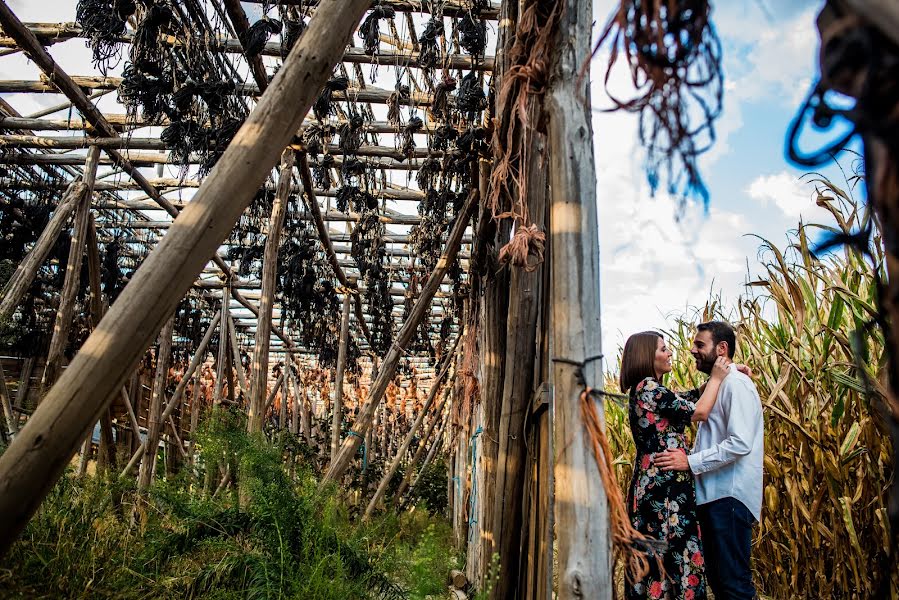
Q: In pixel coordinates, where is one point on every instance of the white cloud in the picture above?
(655, 262)
(786, 192)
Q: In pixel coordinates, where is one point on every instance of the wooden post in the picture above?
(12, 422)
(285, 398)
(404, 447)
(221, 360)
(403, 337)
(235, 351)
(581, 512)
(337, 404)
(114, 349)
(21, 280)
(154, 417)
(435, 445)
(179, 390)
(63, 322)
(525, 295)
(295, 408)
(438, 414)
(259, 374)
(195, 404)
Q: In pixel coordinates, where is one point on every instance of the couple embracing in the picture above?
(700, 503)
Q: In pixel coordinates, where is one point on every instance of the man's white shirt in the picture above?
(728, 455)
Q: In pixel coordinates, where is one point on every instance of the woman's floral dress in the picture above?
(662, 504)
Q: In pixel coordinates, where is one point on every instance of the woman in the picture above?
(662, 504)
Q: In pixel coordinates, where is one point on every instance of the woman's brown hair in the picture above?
(638, 359)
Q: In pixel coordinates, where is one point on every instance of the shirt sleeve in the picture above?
(743, 415)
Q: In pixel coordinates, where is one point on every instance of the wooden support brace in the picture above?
(27, 270)
(114, 349)
(259, 366)
(403, 337)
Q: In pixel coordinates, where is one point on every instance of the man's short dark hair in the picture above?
(721, 332)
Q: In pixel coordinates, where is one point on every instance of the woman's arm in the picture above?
(710, 390)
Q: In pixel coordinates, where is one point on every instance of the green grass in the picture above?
(100, 539)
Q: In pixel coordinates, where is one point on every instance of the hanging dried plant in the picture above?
(370, 30)
(103, 27)
(674, 58)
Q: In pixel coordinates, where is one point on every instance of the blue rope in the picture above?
(472, 500)
(364, 449)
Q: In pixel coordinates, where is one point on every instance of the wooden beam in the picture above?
(337, 403)
(259, 366)
(403, 337)
(407, 441)
(27, 270)
(65, 312)
(369, 94)
(52, 33)
(239, 20)
(51, 436)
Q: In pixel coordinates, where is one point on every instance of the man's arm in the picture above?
(743, 421)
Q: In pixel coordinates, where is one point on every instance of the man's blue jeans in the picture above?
(726, 529)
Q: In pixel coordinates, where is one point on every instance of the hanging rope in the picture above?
(674, 58)
(628, 544)
(472, 500)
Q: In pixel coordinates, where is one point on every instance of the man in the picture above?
(727, 462)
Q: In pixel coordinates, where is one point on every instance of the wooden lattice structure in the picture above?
(313, 191)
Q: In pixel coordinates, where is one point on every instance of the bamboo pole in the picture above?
(221, 360)
(404, 447)
(179, 390)
(259, 372)
(114, 349)
(438, 442)
(407, 478)
(64, 313)
(403, 337)
(12, 422)
(235, 351)
(27, 270)
(337, 403)
(581, 512)
(154, 419)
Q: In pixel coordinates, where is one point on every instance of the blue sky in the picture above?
(655, 267)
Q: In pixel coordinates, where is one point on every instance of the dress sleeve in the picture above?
(676, 408)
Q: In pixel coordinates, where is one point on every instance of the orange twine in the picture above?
(628, 544)
(526, 242)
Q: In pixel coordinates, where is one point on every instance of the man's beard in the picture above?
(705, 362)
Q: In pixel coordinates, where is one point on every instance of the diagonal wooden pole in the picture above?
(21, 280)
(259, 366)
(404, 336)
(195, 361)
(404, 447)
(38, 455)
(155, 420)
(64, 314)
(438, 414)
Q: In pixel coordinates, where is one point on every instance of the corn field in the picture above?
(820, 374)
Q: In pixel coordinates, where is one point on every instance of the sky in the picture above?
(656, 261)
(655, 267)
